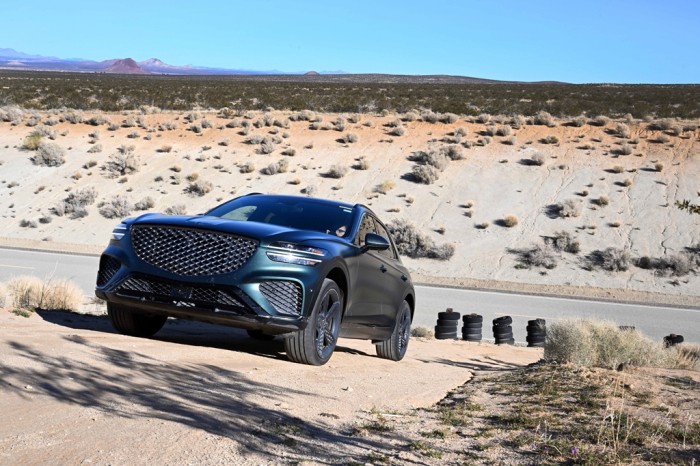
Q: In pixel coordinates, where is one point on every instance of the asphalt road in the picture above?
(652, 320)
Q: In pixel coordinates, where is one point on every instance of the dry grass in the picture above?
(592, 343)
(31, 292)
(385, 187)
(510, 221)
(422, 332)
(659, 166)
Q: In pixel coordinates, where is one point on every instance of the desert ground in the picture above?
(641, 169)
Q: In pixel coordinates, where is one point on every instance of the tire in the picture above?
(451, 323)
(536, 329)
(395, 347)
(446, 336)
(322, 330)
(133, 323)
(471, 331)
(472, 337)
(259, 335)
(506, 342)
(502, 321)
(533, 339)
(448, 315)
(502, 330)
(505, 336)
(536, 323)
(473, 319)
(472, 325)
(447, 326)
(673, 340)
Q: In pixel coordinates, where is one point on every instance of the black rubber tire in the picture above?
(447, 323)
(531, 339)
(473, 318)
(502, 330)
(472, 337)
(395, 348)
(445, 329)
(535, 345)
(535, 329)
(502, 321)
(132, 323)
(506, 342)
(536, 322)
(471, 331)
(446, 336)
(673, 340)
(448, 315)
(301, 345)
(259, 335)
(505, 336)
(472, 325)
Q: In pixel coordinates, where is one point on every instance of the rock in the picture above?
(29, 387)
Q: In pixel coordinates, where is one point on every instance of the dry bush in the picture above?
(341, 124)
(32, 141)
(569, 208)
(49, 154)
(625, 149)
(544, 118)
(410, 116)
(492, 130)
(130, 122)
(425, 174)
(349, 138)
(603, 200)
(551, 139)
(562, 241)
(602, 120)
(511, 141)
(75, 204)
(247, 167)
(177, 209)
(618, 169)
(593, 343)
(430, 117)
(96, 149)
(505, 130)
(99, 120)
(658, 166)
(356, 118)
(64, 295)
(31, 292)
(166, 148)
(123, 163)
(274, 168)
(25, 291)
(623, 131)
(362, 164)
(452, 152)
(483, 118)
(113, 127)
(311, 190)
(290, 151)
(398, 131)
(612, 259)
(422, 332)
(385, 187)
(450, 118)
(537, 159)
(193, 176)
(146, 203)
(196, 128)
(627, 182)
(206, 123)
(117, 207)
(28, 223)
(579, 121)
(74, 116)
(510, 221)
(542, 255)
(369, 124)
(3, 295)
(295, 181)
(337, 171)
(199, 188)
(663, 138)
(168, 125)
(267, 147)
(414, 243)
(133, 135)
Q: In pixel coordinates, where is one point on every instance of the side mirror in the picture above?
(375, 242)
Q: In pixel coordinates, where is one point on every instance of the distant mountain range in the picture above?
(12, 59)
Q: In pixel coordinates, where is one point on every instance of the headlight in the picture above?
(297, 248)
(119, 232)
(291, 259)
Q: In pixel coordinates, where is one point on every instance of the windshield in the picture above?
(301, 214)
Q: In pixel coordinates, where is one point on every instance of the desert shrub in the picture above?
(601, 120)
(591, 343)
(267, 147)
(579, 121)
(562, 241)
(113, 126)
(130, 122)
(207, 123)
(193, 176)
(307, 115)
(625, 149)
(311, 190)
(356, 118)
(196, 128)
(340, 124)
(255, 138)
(34, 120)
(363, 164)
(286, 134)
(492, 130)
(193, 116)
(166, 148)
(612, 259)
(337, 171)
(99, 120)
(117, 207)
(569, 208)
(412, 242)
(618, 169)
(177, 209)
(505, 130)
(461, 132)
(199, 188)
(146, 203)
(32, 141)
(31, 292)
(483, 118)
(434, 157)
(658, 166)
(290, 151)
(350, 138)
(623, 130)
(316, 125)
(274, 168)
(168, 125)
(122, 163)
(450, 118)
(369, 124)
(510, 221)
(235, 123)
(468, 144)
(627, 182)
(541, 255)
(486, 140)
(76, 202)
(537, 159)
(544, 118)
(410, 116)
(247, 167)
(74, 116)
(133, 135)
(452, 152)
(49, 155)
(664, 124)
(663, 138)
(603, 200)
(511, 140)
(430, 117)
(422, 332)
(45, 219)
(425, 174)
(385, 187)
(3, 294)
(282, 123)
(398, 131)
(28, 223)
(676, 264)
(551, 139)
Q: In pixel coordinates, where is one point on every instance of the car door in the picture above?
(365, 314)
(395, 283)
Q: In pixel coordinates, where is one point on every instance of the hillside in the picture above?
(617, 183)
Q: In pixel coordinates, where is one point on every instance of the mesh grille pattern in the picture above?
(191, 252)
(109, 266)
(192, 293)
(285, 296)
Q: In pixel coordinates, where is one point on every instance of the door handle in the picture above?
(404, 277)
(382, 268)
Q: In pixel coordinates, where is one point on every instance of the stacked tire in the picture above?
(471, 327)
(447, 323)
(536, 333)
(673, 340)
(503, 330)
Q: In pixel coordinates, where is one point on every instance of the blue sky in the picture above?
(589, 41)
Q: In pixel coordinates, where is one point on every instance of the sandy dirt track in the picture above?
(74, 392)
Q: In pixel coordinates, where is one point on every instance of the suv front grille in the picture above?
(191, 252)
(185, 295)
(285, 296)
(109, 266)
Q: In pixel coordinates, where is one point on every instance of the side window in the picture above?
(366, 226)
(388, 253)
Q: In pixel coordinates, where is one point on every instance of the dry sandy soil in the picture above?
(496, 177)
(73, 392)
